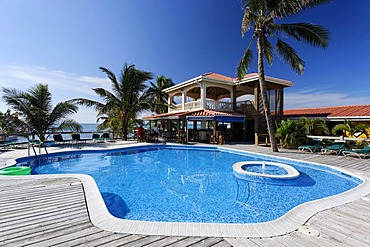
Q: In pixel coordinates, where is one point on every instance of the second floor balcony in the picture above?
(210, 105)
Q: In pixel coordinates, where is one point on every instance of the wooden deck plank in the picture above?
(45, 222)
(165, 241)
(105, 238)
(222, 244)
(124, 240)
(207, 242)
(42, 235)
(144, 241)
(40, 213)
(86, 240)
(187, 241)
(68, 237)
(34, 207)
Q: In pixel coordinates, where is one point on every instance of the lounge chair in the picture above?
(336, 147)
(106, 137)
(313, 146)
(58, 139)
(76, 138)
(361, 153)
(97, 138)
(7, 145)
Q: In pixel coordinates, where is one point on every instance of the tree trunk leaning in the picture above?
(266, 105)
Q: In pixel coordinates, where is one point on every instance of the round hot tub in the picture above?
(264, 169)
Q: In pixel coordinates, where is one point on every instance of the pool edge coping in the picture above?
(291, 221)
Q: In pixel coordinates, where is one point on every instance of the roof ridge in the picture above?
(327, 107)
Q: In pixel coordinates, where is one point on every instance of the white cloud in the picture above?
(315, 98)
(62, 85)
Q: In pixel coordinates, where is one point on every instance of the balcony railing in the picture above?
(219, 106)
(212, 105)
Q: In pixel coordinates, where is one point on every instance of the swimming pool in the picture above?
(191, 184)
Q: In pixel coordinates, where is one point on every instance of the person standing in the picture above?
(140, 133)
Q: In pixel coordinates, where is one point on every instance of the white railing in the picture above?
(188, 106)
(176, 108)
(192, 105)
(219, 106)
(210, 104)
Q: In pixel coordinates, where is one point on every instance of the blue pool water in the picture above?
(267, 169)
(190, 184)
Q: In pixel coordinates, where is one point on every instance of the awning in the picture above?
(199, 115)
(229, 119)
(199, 118)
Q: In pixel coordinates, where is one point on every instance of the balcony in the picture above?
(210, 104)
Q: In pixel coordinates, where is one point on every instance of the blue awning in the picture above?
(199, 118)
(230, 119)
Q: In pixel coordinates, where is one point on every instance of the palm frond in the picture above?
(248, 17)
(288, 54)
(60, 111)
(314, 35)
(267, 50)
(283, 8)
(87, 103)
(244, 64)
(313, 3)
(69, 125)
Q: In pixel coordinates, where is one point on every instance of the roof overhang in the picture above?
(270, 79)
(229, 81)
(199, 115)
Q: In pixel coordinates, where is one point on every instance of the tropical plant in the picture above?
(10, 123)
(36, 110)
(157, 95)
(127, 98)
(288, 131)
(262, 17)
(111, 121)
(310, 126)
(349, 128)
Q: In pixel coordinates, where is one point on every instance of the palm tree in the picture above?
(36, 110)
(262, 17)
(155, 92)
(127, 98)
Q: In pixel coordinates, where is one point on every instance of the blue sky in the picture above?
(63, 42)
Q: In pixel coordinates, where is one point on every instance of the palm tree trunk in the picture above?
(266, 105)
(124, 130)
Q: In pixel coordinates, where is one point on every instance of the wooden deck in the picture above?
(53, 212)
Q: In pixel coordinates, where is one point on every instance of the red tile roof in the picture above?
(218, 76)
(165, 115)
(198, 113)
(227, 78)
(334, 111)
(211, 113)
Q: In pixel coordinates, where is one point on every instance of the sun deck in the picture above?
(53, 211)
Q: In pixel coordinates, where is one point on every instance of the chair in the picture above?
(313, 146)
(97, 138)
(361, 153)
(7, 145)
(58, 139)
(106, 137)
(76, 138)
(336, 147)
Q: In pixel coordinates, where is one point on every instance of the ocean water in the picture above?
(86, 127)
(89, 127)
